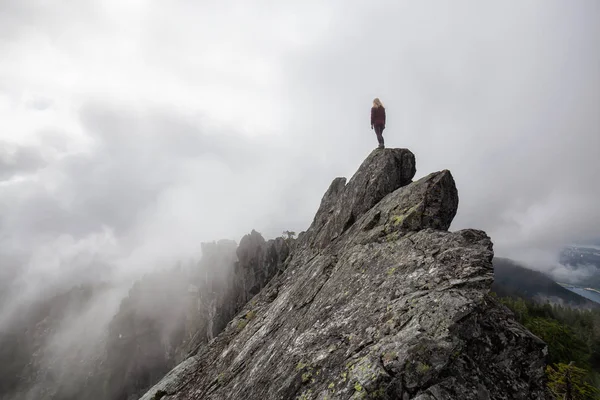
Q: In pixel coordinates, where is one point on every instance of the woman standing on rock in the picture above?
(378, 120)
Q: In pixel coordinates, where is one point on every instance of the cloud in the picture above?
(132, 131)
(15, 160)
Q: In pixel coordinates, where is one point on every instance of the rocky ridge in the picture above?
(376, 300)
(165, 315)
(159, 325)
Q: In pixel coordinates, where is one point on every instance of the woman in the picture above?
(378, 120)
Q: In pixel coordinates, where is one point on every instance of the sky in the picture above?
(131, 131)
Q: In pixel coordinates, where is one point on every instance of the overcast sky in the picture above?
(131, 131)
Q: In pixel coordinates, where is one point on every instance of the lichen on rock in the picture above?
(377, 300)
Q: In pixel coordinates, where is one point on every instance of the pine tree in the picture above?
(568, 382)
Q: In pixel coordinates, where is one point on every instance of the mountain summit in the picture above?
(375, 300)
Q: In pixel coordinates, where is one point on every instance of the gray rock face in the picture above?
(430, 202)
(380, 174)
(258, 261)
(377, 300)
(226, 291)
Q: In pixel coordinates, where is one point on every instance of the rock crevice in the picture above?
(343, 204)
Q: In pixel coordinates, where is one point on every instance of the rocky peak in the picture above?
(381, 173)
(377, 300)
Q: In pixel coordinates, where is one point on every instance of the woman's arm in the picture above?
(372, 117)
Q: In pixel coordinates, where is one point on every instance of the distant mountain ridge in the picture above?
(513, 279)
(584, 261)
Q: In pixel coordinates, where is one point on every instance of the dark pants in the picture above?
(379, 132)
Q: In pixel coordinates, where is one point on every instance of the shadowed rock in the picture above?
(258, 262)
(238, 281)
(380, 174)
(431, 202)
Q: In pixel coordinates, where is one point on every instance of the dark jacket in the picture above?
(378, 116)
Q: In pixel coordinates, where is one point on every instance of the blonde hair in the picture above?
(377, 103)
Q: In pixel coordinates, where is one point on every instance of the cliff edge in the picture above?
(375, 300)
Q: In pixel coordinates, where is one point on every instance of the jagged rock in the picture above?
(431, 202)
(258, 261)
(251, 250)
(215, 278)
(381, 173)
(378, 300)
(243, 271)
(166, 315)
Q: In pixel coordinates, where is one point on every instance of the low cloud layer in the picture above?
(132, 131)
